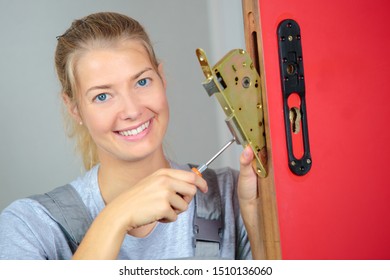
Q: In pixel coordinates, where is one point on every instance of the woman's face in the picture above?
(122, 101)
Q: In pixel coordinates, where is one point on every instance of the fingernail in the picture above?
(246, 152)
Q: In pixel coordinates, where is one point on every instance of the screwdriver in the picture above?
(203, 167)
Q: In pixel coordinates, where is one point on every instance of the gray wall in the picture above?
(35, 153)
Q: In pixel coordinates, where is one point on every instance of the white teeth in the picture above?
(135, 131)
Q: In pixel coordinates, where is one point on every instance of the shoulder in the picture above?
(25, 226)
(25, 207)
(18, 216)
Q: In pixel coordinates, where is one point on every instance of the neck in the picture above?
(116, 176)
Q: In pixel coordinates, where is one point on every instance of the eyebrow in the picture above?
(108, 86)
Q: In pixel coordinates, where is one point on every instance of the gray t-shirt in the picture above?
(27, 230)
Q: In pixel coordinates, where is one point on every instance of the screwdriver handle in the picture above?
(196, 171)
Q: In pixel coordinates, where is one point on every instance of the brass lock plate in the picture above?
(236, 85)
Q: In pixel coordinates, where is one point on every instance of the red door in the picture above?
(340, 209)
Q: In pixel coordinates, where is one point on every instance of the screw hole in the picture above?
(246, 82)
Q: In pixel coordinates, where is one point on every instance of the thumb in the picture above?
(246, 159)
(247, 181)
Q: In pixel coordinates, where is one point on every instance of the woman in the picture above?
(141, 202)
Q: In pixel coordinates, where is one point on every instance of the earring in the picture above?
(80, 123)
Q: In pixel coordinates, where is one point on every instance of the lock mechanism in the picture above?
(236, 85)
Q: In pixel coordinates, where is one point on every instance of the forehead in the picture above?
(128, 50)
(123, 58)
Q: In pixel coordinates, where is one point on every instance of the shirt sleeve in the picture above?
(27, 232)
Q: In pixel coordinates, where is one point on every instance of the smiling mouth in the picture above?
(135, 131)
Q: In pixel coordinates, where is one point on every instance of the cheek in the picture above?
(160, 105)
(162, 112)
(98, 121)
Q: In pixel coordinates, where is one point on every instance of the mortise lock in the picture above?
(294, 97)
(236, 84)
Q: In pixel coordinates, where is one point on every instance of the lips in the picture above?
(135, 131)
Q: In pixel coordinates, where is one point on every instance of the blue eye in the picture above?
(101, 97)
(143, 82)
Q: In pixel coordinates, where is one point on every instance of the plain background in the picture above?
(35, 153)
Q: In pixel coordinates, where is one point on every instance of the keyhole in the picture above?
(295, 119)
(291, 69)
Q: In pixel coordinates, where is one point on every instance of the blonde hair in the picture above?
(96, 30)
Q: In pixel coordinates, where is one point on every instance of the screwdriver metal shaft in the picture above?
(203, 167)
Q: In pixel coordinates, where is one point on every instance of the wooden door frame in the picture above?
(268, 214)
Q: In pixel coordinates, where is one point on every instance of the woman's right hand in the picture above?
(161, 196)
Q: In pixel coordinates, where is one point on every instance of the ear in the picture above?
(162, 75)
(72, 108)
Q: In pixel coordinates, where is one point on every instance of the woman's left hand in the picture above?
(247, 181)
(249, 202)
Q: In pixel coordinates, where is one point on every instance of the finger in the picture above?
(177, 193)
(187, 198)
(246, 160)
(169, 218)
(246, 156)
(178, 203)
(186, 176)
(247, 181)
(166, 213)
(185, 190)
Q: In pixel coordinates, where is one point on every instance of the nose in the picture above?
(130, 108)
